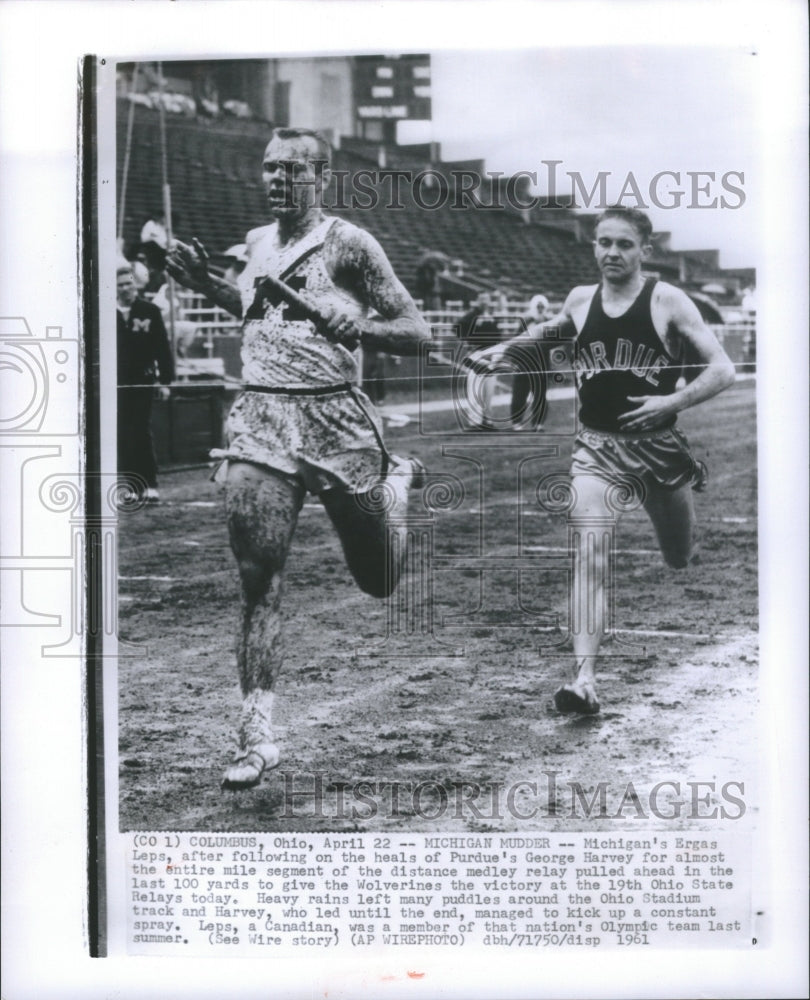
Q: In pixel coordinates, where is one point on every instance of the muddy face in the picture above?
(294, 174)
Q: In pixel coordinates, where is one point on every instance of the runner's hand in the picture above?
(652, 412)
(339, 329)
(489, 355)
(189, 265)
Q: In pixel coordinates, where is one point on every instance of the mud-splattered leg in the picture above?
(372, 527)
(262, 510)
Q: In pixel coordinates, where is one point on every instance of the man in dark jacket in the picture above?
(144, 355)
(481, 330)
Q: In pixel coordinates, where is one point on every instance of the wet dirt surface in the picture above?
(369, 692)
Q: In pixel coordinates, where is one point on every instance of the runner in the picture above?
(631, 336)
(301, 425)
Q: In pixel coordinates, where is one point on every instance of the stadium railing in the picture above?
(218, 333)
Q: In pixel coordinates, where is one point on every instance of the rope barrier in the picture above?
(229, 382)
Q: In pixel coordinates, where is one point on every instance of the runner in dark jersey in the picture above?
(618, 357)
(631, 336)
(301, 424)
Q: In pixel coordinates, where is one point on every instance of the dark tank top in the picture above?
(617, 357)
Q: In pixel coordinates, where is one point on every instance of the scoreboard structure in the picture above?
(364, 96)
(389, 89)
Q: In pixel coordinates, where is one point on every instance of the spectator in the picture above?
(749, 300)
(173, 312)
(480, 329)
(140, 272)
(155, 238)
(144, 355)
(530, 383)
(429, 270)
(237, 259)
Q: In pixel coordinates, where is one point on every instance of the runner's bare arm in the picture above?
(685, 326)
(559, 327)
(189, 266)
(358, 264)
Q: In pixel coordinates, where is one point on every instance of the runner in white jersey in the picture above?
(281, 348)
(301, 424)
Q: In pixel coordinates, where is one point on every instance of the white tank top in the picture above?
(279, 347)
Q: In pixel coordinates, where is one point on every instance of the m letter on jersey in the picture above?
(266, 295)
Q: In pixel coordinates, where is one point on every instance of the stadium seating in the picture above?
(217, 195)
(213, 172)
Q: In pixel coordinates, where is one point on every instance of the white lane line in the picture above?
(153, 579)
(649, 633)
(665, 633)
(565, 548)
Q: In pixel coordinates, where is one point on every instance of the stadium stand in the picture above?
(217, 195)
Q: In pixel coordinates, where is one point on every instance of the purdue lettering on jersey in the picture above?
(621, 356)
(646, 363)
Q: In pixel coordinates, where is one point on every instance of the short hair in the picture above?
(632, 216)
(324, 146)
(124, 269)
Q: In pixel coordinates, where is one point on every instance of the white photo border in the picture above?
(44, 759)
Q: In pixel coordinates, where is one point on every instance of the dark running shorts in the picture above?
(662, 457)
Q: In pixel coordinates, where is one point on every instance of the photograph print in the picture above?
(436, 440)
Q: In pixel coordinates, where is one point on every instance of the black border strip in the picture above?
(93, 563)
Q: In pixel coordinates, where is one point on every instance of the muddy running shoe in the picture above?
(258, 753)
(578, 697)
(246, 770)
